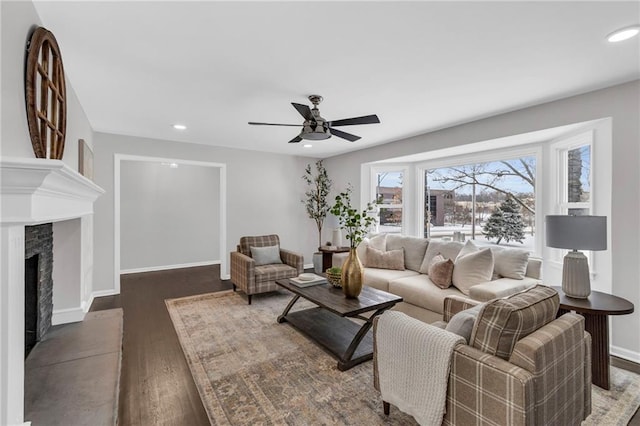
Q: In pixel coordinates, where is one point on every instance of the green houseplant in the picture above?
(315, 200)
(356, 223)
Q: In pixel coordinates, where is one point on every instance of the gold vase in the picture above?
(352, 275)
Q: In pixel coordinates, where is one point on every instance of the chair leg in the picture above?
(385, 407)
(234, 286)
(249, 298)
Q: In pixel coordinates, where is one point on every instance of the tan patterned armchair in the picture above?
(252, 278)
(522, 366)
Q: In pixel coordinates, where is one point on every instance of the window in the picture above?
(388, 197)
(576, 196)
(491, 202)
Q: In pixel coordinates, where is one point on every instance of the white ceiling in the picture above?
(139, 67)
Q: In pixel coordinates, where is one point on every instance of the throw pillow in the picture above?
(472, 269)
(393, 259)
(378, 241)
(266, 255)
(448, 249)
(511, 263)
(414, 249)
(441, 271)
(462, 323)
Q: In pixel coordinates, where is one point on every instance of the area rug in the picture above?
(251, 370)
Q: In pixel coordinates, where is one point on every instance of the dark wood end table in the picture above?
(596, 310)
(329, 325)
(327, 255)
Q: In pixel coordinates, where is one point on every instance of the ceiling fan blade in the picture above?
(344, 135)
(296, 139)
(304, 111)
(273, 124)
(367, 119)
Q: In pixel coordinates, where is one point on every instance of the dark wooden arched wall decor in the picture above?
(46, 95)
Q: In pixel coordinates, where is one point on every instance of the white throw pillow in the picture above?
(378, 242)
(448, 250)
(472, 268)
(266, 255)
(510, 263)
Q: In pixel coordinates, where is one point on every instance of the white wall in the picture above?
(19, 19)
(168, 215)
(622, 104)
(263, 195)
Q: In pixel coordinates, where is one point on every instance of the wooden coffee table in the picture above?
(329, 325)
(596, 310)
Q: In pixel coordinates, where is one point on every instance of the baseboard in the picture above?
(100, 293)
(167, 267)
(624, 364)
(66, 316)
(625, 354)
(225, 277)
(308, 266)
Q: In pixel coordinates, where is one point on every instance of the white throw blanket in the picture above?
(413, 365)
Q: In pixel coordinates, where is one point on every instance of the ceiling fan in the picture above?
(317, 128)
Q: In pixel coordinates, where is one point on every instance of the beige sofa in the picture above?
(422, 298)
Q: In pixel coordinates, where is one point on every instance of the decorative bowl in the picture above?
(334, 278)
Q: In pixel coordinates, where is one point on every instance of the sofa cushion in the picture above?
(392, 259)
(472, 268)
(510, 263)
(502, 322)
(376, 241)
(441, 271)
(414, 249)
(266, 255)
(501, 287)
(419, 290)
(448, 249)
(274, 272)
(380, 278)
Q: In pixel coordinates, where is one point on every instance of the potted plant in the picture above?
(316, 204)
(356, 223)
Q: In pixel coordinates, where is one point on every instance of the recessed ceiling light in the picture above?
(623, 34)
(307, 145)
(180, 127)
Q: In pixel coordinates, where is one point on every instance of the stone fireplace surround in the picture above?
(33, 192)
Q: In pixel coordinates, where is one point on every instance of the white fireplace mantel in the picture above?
(36, 190)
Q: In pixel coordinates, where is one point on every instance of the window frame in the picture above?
(373, 182)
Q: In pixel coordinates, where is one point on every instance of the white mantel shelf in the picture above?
(35, 190)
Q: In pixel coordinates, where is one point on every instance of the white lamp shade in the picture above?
(576, 232)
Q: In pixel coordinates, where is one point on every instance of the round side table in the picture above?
(596, 310)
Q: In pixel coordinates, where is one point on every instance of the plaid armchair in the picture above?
(254, 279)
(522, 366)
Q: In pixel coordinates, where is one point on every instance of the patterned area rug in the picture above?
(251, 370)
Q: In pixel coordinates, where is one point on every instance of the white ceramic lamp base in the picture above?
(575, 275)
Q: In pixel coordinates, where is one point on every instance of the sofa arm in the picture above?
(505, 389)
(243, 274)
(293, 259)
(455, 304)
(500, 288)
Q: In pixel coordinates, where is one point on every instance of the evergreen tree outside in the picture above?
(505, 223)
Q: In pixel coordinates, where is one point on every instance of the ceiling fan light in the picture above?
(316, 135)
(623, 34)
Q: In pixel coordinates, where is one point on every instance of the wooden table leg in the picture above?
(598, 327)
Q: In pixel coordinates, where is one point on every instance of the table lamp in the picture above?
(576, 233)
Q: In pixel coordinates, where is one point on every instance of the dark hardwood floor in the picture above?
(156, 387)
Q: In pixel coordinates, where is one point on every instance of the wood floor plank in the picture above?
(156, 386)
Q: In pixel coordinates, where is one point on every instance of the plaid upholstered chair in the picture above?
(521, 366)
(258, 272)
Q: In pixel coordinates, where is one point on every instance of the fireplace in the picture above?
(46, 236)
(38, 280)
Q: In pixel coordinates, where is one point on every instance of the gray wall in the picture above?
(168, 216)
(622, 104)
(263, 195)
(18, 20)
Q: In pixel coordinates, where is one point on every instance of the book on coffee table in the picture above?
(305, 280)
